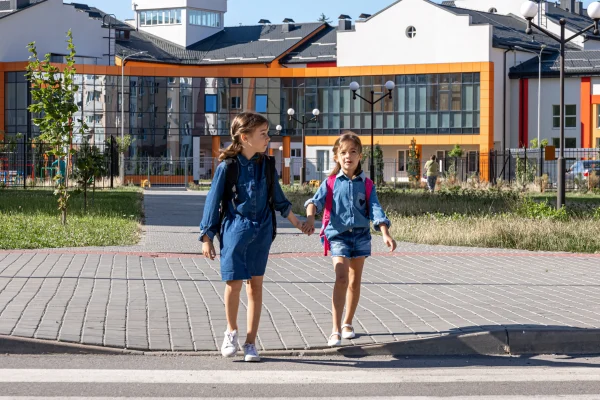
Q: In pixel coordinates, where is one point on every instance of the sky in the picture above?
(248, 12)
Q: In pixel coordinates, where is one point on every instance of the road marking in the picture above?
(562, 397)
(441, 375)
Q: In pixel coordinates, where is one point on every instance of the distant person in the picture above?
(432, 170)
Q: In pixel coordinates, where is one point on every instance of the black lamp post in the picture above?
(354, 86)
(291, 112)
(529, 10)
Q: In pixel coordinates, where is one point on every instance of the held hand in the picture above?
(309, 226)
(389, 242)
(208, 250)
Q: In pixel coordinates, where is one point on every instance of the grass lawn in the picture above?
(487, 218)
(29, 219)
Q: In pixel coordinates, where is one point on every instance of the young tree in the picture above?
(413, 162)
(324, 19)
(89, 165)
(52, 94)
(378, 162)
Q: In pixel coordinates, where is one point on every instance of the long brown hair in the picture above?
(244, 123)
(347, 136)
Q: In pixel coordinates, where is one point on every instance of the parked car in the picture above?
(580, 171)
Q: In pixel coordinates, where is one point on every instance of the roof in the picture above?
(320, 48)
(449, 3)
(232, 45)
(4, 8)
(577, 63)
(579, 22)
(508, 30)
(95, 13)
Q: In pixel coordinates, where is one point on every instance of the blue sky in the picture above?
(274, 10)
(249, 12)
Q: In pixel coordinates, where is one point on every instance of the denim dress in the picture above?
(349, 232)
(247, 228)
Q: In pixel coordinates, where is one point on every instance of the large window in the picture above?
(570, 143)
(570, 116)
(322, 160)
(205, 18)
(160, 17)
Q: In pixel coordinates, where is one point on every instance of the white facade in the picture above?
(383, 40)
(183, 33)
(47, 24)
(550, 95)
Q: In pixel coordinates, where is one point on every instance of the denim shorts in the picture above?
(354, 243)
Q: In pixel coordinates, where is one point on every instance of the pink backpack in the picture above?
(329, 207)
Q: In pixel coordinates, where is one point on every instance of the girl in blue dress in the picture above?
(247, 227)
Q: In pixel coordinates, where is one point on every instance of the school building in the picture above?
(465, 73)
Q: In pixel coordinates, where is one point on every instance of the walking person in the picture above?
(240, 209)
(432, 170)
(350, 204)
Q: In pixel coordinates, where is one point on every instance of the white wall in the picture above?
(550, 95)
(183, 34)
(47, 24)
(382, 40)
(513, 58)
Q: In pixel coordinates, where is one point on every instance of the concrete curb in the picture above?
(491, 343)
(18, 345)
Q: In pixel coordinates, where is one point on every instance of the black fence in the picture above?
(540, 167)
(27, 165)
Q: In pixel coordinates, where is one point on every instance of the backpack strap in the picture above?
(230, 192)
(369, 189)
(327, 212)
(270, 176)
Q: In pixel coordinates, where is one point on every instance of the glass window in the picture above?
(401, 160)
(570, 116)
(205, 18)
(322, 160)
(236, 103)
(210, 103)
(570, 143)
(261, 103)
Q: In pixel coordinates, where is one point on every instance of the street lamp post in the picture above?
(529, 10)
(291, 112)
(354, 86)
(539, 56)
(122, 153)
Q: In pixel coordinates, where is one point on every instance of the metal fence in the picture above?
(540, 166)
(28, 165)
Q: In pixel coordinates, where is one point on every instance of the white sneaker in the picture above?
(230, 344)
(250, 353)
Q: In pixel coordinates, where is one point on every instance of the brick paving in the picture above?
(161, 295)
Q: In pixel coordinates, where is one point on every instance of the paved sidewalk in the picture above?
(137, 298)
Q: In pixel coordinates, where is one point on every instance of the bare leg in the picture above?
(254, 289)
(232, 303)
(340, 265)
(353, 293)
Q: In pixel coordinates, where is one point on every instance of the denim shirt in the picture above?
(252, 197)
(349, 209)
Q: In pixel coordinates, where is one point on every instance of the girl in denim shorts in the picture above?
(351, 209)
(246, 231)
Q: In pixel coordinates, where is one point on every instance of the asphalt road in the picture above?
(153, 377)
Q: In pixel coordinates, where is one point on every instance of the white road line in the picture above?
(440, 375)
(563, 397)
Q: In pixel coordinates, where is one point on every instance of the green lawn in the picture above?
(29, 219)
